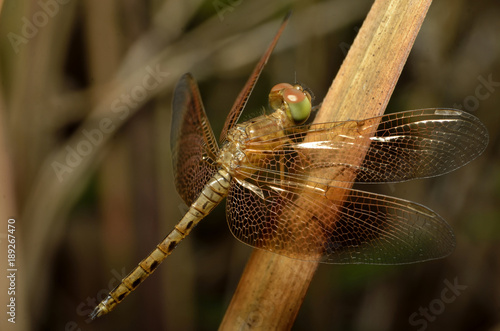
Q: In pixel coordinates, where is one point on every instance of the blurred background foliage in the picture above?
(68, 65)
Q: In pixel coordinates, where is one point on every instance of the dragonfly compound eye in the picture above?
(293, 99)
(298, 104)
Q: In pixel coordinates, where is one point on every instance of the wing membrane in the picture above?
(192, 142)
(334, 224)
(407, 145)
(241, 100)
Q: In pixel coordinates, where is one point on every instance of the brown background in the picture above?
(76, 236)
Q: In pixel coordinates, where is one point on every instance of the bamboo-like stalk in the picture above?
(273, 287)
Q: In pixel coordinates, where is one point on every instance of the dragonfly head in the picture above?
(293, 99)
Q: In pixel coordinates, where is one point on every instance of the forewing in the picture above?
(333, 224)
(422, 143)
(241, 100)
(404, 146)
(192, 142)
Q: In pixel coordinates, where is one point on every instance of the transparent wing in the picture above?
(192, 142)
(404, 146)
(241, 100)
(333, 224)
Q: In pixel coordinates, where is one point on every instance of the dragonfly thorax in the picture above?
(291, 105)
(231, 154)
(257, 130)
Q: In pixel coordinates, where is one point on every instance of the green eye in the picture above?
(299, 105)
(292, 99)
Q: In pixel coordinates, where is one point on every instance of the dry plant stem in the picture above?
(273, 287)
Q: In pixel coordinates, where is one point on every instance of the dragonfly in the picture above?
(288, 183)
